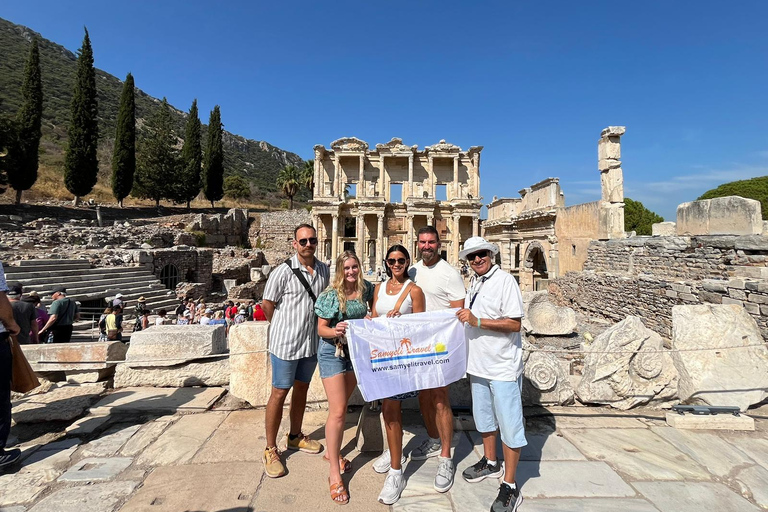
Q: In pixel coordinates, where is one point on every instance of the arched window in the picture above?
(169, 276)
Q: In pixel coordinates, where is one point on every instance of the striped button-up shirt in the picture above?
(293, 330)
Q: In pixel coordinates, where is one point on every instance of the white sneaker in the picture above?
(427, 449)
(393, 488)
(384, 462)
(444, 476)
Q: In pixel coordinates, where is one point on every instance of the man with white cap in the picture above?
(493, 309)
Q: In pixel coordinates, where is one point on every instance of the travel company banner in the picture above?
(408, 353)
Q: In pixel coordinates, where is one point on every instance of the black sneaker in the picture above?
(508, 500)
(482, 470)
(8, 457)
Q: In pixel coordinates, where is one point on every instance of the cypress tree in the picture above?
(213, 168)
(29, 121)
(191, 157)
(80, 163)
(157, 161)
(124, 156)
(9, 144)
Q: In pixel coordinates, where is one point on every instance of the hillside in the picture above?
(755, 188)
(258, 161)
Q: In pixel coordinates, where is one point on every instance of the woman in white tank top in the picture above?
(385, 298)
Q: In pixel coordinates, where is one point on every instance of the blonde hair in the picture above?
(338, 280)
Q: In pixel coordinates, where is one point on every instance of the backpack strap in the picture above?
(302, 280)
(403, 296)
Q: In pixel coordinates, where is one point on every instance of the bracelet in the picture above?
(478, 324)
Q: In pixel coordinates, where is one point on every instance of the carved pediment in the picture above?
(349, 144)
(396, 146)
(443, 147)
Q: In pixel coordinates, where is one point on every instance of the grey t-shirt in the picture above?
(65, 310)
(24, 313)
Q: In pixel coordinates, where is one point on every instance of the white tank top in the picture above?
(385, 302)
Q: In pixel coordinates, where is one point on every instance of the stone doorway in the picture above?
(169, 276)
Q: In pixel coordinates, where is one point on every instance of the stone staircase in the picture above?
(84, 283)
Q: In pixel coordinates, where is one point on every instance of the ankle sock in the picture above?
(435, 440)
(492, 463)
(393, 471)
(512, 485)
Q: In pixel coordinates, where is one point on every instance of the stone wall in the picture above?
(272, 232)
(194, 265)
(222, 229)
(575, 227)
(646, 276)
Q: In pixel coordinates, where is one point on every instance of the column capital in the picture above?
(335, 215)
(380, 216)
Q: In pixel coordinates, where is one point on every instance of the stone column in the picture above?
(383, 189)
(430, 220)
(455, 178)
(361, 192)
(455, 238)
(379, 240)
(612, 183)
(319, 188)
(409, 233)
(432, 177)
(360, 245)
(338, 188)
(475, 188)
(409, 192)
(475, 226)
(335, 238)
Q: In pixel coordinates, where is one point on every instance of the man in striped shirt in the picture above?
(289, 305)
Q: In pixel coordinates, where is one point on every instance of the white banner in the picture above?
(412, 352)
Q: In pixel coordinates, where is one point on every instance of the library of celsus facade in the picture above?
(367, 200)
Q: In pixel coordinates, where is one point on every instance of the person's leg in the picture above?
(511, 459)
(508, 408)
(444, 419)
(335, 389)
(393, 422)
(427, 408)
(304, 371)
(5, 389)
(485, 422)
(283, 377)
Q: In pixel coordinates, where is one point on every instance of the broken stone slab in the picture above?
(730, 215)
(88, 424)
(627, 366)
(95, 469)
(664, 229)
(131, 401)
(209, 372)
(710, 373)
(50, 357)
(108, 443)
(250, 371)
(169, 345)
(99, 497)
(59, 404)
(546, 319)
(23, 487)
(710, 421)
(89, 376)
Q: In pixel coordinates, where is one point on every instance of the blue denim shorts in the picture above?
(284, 373)
(330, 364)
(496, 404)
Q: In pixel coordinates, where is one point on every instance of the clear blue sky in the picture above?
(533, 82)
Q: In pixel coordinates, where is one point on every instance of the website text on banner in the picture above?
(408, 353)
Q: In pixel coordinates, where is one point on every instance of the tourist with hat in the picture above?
(139, 311)
(24, 313)
(206, 318)
(492, 312)
(64, 312)
(118, 300)
(8, 327)
(41, 314)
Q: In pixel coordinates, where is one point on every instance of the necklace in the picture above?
(393, 285)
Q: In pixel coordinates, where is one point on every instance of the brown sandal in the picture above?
(339, 493)
(345, 465)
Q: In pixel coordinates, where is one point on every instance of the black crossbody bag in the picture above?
(302, 280)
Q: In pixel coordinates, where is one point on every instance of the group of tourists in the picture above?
(309, 318)
(230, 313)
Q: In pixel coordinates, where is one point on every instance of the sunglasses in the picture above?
(311, 241)
(474, 255)
(399, 261)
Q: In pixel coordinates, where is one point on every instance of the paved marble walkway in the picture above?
(150, 450)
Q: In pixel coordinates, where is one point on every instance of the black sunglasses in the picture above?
(474, 255)
(310, 241)
(400, 261)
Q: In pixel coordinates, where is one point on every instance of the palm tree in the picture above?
(289, 181)
(308, 175)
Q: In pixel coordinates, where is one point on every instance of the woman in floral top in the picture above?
(348, 298)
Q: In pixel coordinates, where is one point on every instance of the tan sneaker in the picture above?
(273, 466)
(303, 443)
